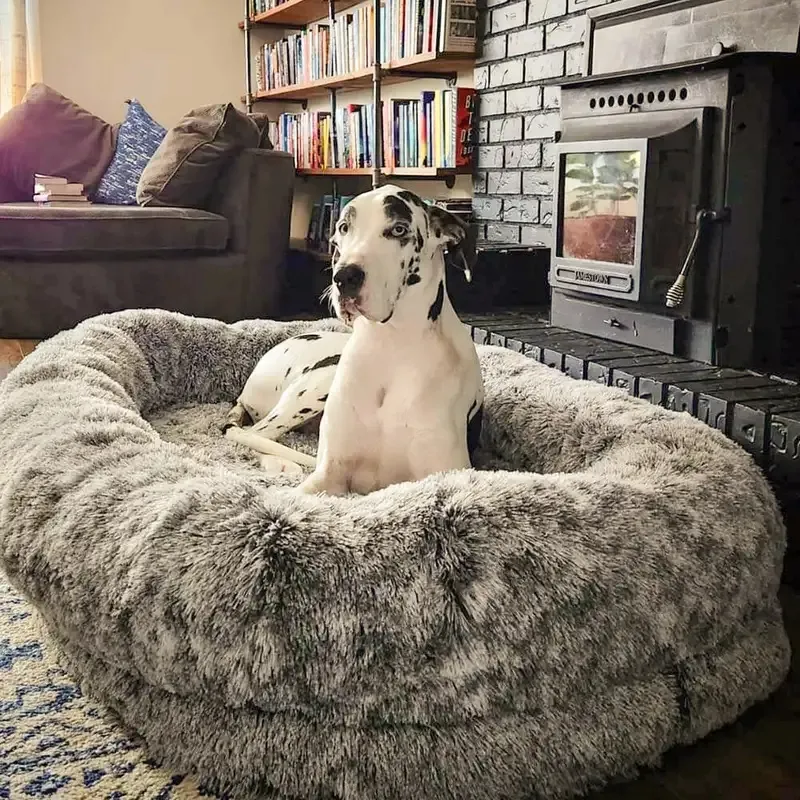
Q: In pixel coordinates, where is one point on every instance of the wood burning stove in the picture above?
(677, 211)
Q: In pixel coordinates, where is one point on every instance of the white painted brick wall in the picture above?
(528, 46)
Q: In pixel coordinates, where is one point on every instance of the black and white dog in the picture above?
(402, 394)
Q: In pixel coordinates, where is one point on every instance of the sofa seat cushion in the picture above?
(29, 230)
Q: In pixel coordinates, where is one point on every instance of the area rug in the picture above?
(54, 742)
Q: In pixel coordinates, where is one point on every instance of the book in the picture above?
(58, 188)
(49, 197)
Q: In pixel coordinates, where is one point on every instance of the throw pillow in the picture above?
(50, 134)
(138, 139)
(184, 169)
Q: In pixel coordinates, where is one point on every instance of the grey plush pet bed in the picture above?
(487, 634)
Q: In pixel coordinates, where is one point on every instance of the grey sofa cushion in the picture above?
(187, 163)
(29, 230)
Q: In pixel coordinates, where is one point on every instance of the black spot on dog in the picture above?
(412, 198)
(413, 279)
(396, 209)
(436, 306)
(328, 361)
(308, 337)
(287, 372)
(323, 398)
(301, 392)
(474, 426)
(418, 245)
(306, 410)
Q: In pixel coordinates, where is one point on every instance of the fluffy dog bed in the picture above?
(485, 634)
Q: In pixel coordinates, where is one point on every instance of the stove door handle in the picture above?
(704, 217)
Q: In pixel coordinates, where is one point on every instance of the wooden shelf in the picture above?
(298, 12)
(427, 63)
(397, 172)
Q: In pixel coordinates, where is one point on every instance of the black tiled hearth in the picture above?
(759, 412)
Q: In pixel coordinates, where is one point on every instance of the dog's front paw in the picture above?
(317, 483)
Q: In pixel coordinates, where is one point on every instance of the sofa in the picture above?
(59, 265)
(192, 219)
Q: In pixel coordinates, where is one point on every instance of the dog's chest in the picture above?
(396, 378)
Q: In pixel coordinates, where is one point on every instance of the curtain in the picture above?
(20, 57)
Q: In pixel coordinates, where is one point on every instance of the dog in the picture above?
(400, 397)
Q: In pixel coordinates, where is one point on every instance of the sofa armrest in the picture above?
(255, 195)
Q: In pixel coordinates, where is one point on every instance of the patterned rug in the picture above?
(54, 742)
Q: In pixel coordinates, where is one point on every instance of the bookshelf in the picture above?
(431, 65)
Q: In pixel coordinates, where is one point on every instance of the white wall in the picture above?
(171, 55)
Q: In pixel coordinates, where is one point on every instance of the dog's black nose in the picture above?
(349, 279)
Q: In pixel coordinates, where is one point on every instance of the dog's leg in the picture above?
(268, 447)
(289, 413)
(300, 402)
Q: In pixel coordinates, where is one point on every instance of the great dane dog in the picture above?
(402, 394)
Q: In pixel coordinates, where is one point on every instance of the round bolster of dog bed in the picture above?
(606, 591)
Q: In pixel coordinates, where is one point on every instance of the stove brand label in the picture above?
(592, 277)
(599, 281)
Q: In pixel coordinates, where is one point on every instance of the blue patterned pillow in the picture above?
(138, 138)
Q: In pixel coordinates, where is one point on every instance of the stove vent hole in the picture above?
(639, 99)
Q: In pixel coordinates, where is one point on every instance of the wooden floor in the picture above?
(757, 758)
(12, 351)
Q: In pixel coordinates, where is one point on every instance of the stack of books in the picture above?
(347, 45)
(51, 190)
(434, 130)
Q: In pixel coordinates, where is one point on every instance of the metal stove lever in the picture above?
(704, 217)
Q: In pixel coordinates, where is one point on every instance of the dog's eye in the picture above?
(399, 229)
(343, 228)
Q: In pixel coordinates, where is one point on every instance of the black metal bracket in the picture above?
(285, 26)
(450, 77)
(302, 100)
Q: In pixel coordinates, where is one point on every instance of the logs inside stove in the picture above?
(677, 216)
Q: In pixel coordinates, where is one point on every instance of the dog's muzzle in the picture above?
(348, 280)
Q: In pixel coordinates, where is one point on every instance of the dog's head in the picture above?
(389, 248)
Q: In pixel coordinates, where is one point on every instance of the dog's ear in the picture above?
(457, 237)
